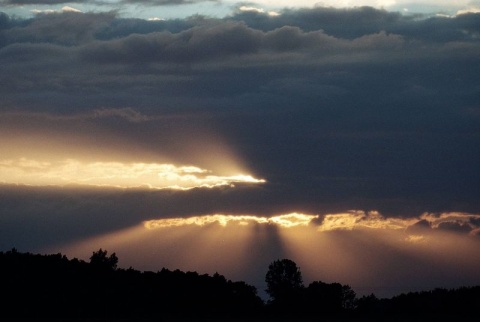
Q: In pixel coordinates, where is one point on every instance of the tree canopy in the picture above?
(100, 259)
(88, 291)
(284, 280)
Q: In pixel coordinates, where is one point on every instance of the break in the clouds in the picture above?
(459, 222)
(114, 174)
(261, 129)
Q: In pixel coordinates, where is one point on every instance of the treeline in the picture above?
(52, 286)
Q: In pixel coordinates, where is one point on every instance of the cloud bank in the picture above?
(262, 118)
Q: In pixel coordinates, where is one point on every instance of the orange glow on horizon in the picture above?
(236, 246)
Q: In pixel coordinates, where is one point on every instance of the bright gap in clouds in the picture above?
(112, 148)
(352, 220)
(114, 174)
(368, 251)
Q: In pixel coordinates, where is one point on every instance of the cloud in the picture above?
(370, 259)
(114, 174)
(353, 98)
(468, 11)
(375, 114)
(164, 2)
(64, 9)
(286, 220)
(94, 149)
(419, 227)
(39, 2)
(199, 44)
(101, 3)
(361, 21)
(66, 27)
(414, 228)
(257, 10)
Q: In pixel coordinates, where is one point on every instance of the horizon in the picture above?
(262, 294)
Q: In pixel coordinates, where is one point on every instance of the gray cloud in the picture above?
(420, 227)
(454, 226)
(359, 21)
(373, 113)
(61, 28)
(196, 44)
(100, 2)
(40, 2)
(164, 2)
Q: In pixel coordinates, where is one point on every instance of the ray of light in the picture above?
(206, 248)
(93, 149)
(369, 252)
(114, 174)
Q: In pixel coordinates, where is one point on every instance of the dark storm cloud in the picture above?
(339, 110)
(196, 44)
(32, 216)
(236, 41)
(376, 112)
(66, 28)
(354, 22)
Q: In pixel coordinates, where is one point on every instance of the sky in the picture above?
(219, 136)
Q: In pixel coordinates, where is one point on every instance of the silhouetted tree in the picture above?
(284, 282)
(329, 298)
(35, 282)
(100, 259)
(369, 305)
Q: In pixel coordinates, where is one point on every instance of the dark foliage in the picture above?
(289, 296)
(100, 260)
(439, 304)
(284, 280)
(334, 298)
(53, 287)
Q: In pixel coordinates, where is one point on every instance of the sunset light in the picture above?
(219, 137)
(340, 251)
(288, 220)
(330, 222)
(114, 174)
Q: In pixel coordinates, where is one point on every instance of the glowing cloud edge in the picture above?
(157, 176)
(352, 220)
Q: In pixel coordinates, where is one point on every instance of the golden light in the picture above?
(285, 221)
(292, 220)
(436, 220)
(220, 219)
(415, 238)
(357, 219)
(369, 251)
(120, 148)
(114, 174)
